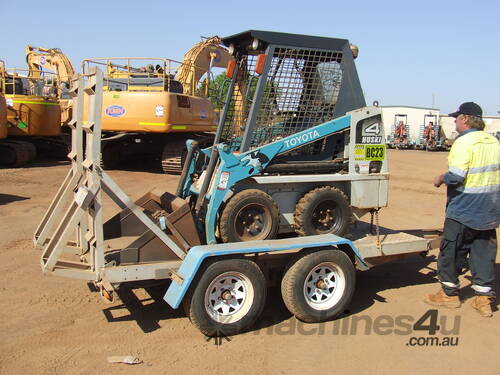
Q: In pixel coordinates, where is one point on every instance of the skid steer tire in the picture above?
(249, 215)
(226, 297)
(318, 285)
(323, 210)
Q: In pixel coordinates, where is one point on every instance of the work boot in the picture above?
(482, 304)
(441, 299)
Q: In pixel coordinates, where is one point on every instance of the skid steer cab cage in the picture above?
(284, 84)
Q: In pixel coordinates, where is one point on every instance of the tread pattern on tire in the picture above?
(301, 206)
(224, 219)
(289, 282)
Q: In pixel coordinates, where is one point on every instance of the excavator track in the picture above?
(14, 153)
(172, 157)
(174, 153)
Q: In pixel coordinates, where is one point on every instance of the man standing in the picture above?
(472, 212)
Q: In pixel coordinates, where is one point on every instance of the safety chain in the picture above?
(374, 213)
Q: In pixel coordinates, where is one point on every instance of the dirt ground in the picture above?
(52, 325)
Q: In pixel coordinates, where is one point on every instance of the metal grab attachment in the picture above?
(75, 241)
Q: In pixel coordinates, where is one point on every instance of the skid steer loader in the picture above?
(293, 151)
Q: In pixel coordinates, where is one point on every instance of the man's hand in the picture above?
(438, 180)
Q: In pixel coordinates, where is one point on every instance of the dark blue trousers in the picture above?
(460, 241)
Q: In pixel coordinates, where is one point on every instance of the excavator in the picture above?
(153, 109)
(29, 116)
(41, 59)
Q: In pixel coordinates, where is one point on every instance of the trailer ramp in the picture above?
(156, 230)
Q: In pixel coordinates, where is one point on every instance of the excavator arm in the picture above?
(52, 59)
(199, 60)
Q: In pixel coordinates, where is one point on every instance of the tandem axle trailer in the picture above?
(222, 286)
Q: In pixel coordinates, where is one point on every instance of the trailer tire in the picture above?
(249, 215)
(227, 297)
(318, 285)
(313, 213)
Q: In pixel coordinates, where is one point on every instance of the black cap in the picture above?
(468, 108)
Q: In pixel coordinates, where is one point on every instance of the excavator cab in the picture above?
(29, 116)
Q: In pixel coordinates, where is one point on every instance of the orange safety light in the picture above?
(231, 65)
(259, 65)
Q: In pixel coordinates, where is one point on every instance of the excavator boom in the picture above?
(199, 60)
(53, 59)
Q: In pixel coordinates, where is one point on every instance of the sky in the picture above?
(415, 53)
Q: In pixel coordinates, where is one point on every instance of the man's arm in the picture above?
(448, 178)
(451, 178)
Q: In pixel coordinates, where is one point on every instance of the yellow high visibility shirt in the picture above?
(473, 180)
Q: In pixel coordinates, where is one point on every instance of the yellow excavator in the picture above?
(29, 116)
(13, 152)
(152, 109)
(40, 59)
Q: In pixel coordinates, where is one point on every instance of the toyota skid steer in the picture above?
(296, 150)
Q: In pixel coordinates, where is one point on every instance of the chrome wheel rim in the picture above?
(229, 297)
(324, 286)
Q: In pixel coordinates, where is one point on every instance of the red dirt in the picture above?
(52, 325)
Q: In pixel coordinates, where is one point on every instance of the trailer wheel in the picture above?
(249, 215)
(323, 210)
(111, 155)
(227, 298)
(319, 285)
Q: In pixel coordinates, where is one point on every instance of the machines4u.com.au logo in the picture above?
(115, 111)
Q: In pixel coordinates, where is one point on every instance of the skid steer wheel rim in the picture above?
(253, 221)
(324, 286)
(326, 217)
(229, 297)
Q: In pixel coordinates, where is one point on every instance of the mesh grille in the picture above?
(301, 91)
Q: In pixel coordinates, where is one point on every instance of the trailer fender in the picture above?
(196, 255)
